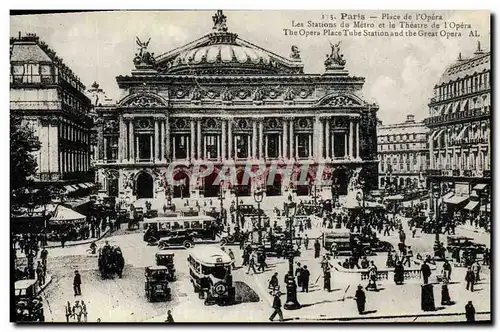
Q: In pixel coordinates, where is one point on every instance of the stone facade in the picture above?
(403, 154)
(51, 100)
(224, 101)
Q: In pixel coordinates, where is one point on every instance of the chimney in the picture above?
(410, 118)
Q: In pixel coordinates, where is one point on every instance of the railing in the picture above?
(461, 92)
(384, 275)
(458, 172)
(469, 141)
(472, 113)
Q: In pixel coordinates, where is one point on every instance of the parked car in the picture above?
(178, 238)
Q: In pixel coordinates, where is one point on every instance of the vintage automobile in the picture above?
(233, 238)
(469, 249)
(151, 214)
(166, 259)
(139, 214)
(111, 262)
(345, 243)
(156, 285)
(210, 274)
(29, 306)
(178, 238)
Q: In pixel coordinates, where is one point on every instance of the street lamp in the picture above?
(221, 198)
(258, 196)
(436, 194)
(291, 286)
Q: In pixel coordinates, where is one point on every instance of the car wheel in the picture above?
(223, 242)
(187, 244)
(367, 251)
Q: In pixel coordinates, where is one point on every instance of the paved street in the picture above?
(123, 299)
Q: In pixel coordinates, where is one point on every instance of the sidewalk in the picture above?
(468, 227)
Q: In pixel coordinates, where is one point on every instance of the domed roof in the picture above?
(222, 52)
(226, 55)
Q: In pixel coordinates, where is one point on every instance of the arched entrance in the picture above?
(274, 188)
(144, 185)
(211, 189)
(112, 187)
(181, 188)
(340, 180)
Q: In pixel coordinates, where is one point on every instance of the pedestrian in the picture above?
(274, 283)
(39, 274)
(43, 256)
(470, 312)
(447, 269)
(298, 274)
(251, 263)
(469, 278)
(476, 267)
(360, 298)
(63, 239)
(372, 277)
(327, 278)
(445, 293)
(317, 248)
(233, 259)
(77, 282)
(306, 242)
(68, 311)
(277, 307)
(305, 279)
(170, 318)
(84, 311)
(426, 272)
(77, 311)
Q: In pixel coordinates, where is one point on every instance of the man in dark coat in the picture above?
(170, 319)
(298, 274)
(317, 248)
(77, 282)
(426, 272)
(277, 307)
(360, 298)
(305, 279)
(470, 312)
(470, 278)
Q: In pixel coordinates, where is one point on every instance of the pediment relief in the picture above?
(341, 101)
(143, 101)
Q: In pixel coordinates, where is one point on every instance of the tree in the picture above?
(23, 164)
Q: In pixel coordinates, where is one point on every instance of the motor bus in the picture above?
(210, 274)
(156, 228)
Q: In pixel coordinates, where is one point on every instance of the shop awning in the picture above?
(398, 197)
(480, 186)
(69, 189)
(448, 195)
(471, 205)
(486, 207)
(456, 199)
(63, 215)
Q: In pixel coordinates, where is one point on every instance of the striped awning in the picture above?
(480, 186)
(438, 134)
(69, 188)
(471, 205)
(64, 215)
(461, 133)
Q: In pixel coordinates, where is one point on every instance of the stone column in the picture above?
(254, 139)
(309, 137)
(204, 146)
(223, 137)
(168, 138)
(357, 140)
(345, 146)
(279, 146)
(162, 140)
(431, 152)
(248, 144)
(131, 144)
(266, 147)
(332, 145)
(261, 137)
(173, 149)
(218, 139)
(285, 139)
(122, 141)
(191, 139)
(53, 143)
(292, 140)
(296, 149)
(351, 139)
(198, 139)
(157, 142)
(327, 139)
(230, 139)
(151, 155)
(320, 139)
(105, 150)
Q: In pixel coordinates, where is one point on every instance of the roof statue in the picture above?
(219, 21)
(295, 55)
(334, 59)
(143, 57)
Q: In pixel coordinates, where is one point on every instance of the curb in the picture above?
(106, 231)
(388, 316)
(44, 286)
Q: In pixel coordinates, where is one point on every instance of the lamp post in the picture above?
(436, 193)
(221, 198)
(258, 196)
(291, 287)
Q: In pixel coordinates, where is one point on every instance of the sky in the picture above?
(400, 72)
